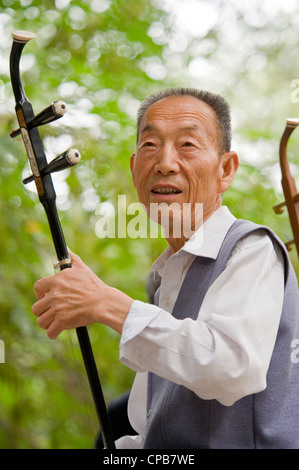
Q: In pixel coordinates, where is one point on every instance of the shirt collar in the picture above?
(206, 241)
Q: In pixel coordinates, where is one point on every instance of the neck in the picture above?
(176, 243)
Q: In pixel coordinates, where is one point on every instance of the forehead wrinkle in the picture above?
(177, 115)
(188, 108)
(162, 111)
(200, 127)
(151, 127)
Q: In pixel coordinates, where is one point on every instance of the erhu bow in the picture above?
(41, 174)
(289, 186)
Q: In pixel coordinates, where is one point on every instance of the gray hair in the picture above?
(216, 102)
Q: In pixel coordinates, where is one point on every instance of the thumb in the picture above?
(75, 259)
(79, 264)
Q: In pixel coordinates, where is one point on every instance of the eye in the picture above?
(188, 144)
(147, 144)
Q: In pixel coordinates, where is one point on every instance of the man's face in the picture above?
(177, 157)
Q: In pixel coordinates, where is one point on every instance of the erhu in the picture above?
(289, 186)
(41, 175)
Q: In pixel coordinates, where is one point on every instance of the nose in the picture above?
(167, 161)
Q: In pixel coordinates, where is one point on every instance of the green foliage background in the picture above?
(102, 57)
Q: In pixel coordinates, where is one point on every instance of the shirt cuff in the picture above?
(129, 442)
(139, 316)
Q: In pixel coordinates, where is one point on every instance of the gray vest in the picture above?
(179, 419)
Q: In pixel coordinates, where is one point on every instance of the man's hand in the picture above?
(77, 297)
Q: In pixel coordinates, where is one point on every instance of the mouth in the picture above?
(165, 190)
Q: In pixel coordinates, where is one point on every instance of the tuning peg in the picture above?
(61, 162)
(279, 208)
(289, 244)
(55, 111)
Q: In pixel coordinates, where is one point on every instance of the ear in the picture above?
(229, 164)
(132, 160)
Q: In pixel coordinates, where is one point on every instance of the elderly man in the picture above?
(213, 356)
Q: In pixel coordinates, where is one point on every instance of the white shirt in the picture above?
(225, 353)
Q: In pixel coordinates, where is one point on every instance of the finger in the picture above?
(53, 331)
(45, 320)
(55, 324)
(41, 306)
(42, 286)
